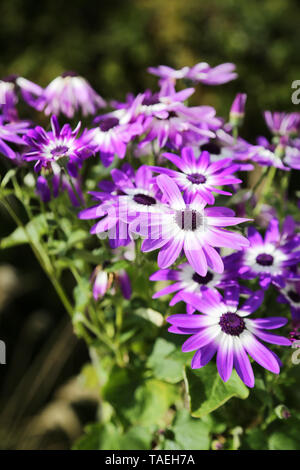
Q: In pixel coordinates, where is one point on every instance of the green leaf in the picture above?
(191, 433)
(207, 391)
(35, 229)
(151, 315)
(286, 436)
(167, 361)
(108, 437)
(283, 441)
(9, 175)
(82, 294)
(256, 439)
(122, 264)
(138, 400)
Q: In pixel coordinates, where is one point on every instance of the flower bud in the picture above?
(237, 111)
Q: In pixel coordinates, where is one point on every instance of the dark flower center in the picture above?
(189, 219)
(196, 178)
(294, 296)
(108, 123)
(232, 324)
(264, 259)
(59, 151)
(211, 147)
(144, 199)
(69, 73)
(202, 280)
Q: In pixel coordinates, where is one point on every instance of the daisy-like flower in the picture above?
(290, 295)
(183, 126)
(189, 227)
(188, 280)
(268, 259)
(226, 146)
(265, 154)
(292, 154)
(61, 143)
(9, 88)
(283, 124)
(150, 104)
(218, 75)
(121, 202)
(198, 175)
(112, 136)
(199, 73)
(223, 329)
(68, 94)
(12, 133)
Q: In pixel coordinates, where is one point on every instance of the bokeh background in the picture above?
(111, 43)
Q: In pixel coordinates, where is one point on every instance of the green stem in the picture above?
(42, 258)
(269, 180)
(260, 180)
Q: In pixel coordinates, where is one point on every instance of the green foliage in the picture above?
(34, 230)
(208, 392)
(109, 437)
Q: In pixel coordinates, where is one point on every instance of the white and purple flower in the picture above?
(11, 133)
(188, 280)
(268, 258)
(121, 202)
(223, 329)
(68, 94)
(112, 136)
(198, 175)
(47, 148)
(191, 228)
(290, 294)
(199, 73)
(9, 90)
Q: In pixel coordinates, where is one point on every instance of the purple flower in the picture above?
(226, 146)
(68, 94)
(183, 126)
(283, 124)
(11, 133)
(199, 73)
(265, 154)
(292, 154)
(188, 280)
(290, 295)
(218, 75)
(9, 88)
(56, 183)
(112, 136)
(61, 143)
(121, 202)
(223, 329)
(148, 104)
(189, 227)
(198, 176)
(268, 259)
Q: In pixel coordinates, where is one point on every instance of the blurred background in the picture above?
(111, 43)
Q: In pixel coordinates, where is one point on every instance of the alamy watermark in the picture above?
(296, 354)
(296, 94)
(2, 352)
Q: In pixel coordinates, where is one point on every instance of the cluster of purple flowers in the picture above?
(170, 202)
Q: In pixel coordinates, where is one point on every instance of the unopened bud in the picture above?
(237, 111)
